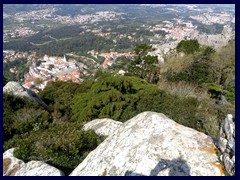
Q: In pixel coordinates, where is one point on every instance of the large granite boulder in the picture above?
(151, 144)
(226, 144)
(103, 127)
(16, 89)
(16, 167)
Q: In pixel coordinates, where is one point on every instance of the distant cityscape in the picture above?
(66, 68)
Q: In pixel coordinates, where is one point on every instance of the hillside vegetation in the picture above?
(191, 95)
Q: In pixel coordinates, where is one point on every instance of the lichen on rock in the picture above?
(151, 144)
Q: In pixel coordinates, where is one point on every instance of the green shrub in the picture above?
(214, 90)
(213, 115)
(21, 115)
(229, 92)
(229, 95)
(58, 95)
(181, 110)
(28, 119)
(112, 95)
(63, 146)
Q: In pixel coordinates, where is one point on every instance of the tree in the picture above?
(199, 71)
(188, 46)
(142, 49)
(223, 65)
(144, 66)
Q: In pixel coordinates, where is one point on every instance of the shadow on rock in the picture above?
(175, 167)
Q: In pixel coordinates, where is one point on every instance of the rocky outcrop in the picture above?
(153, 145)
(214, 40)
(103, 127)
(17, 89)
(16, 167)
(11, 164)
(226, 144)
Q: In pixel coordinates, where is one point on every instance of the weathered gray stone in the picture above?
(231, 144)
(222, 144)
(152, 144)
(226, 144)
(228, 164)
(13, 166)
(38, 168)
(228, 127)
(103, 127)
(17, 89)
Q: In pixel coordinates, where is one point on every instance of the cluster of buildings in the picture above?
(18, 32)
(46, 69)
(11, 55)
(45, 14)
(90, 18)
(175, 30)
(49, 14)
(53, 68)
